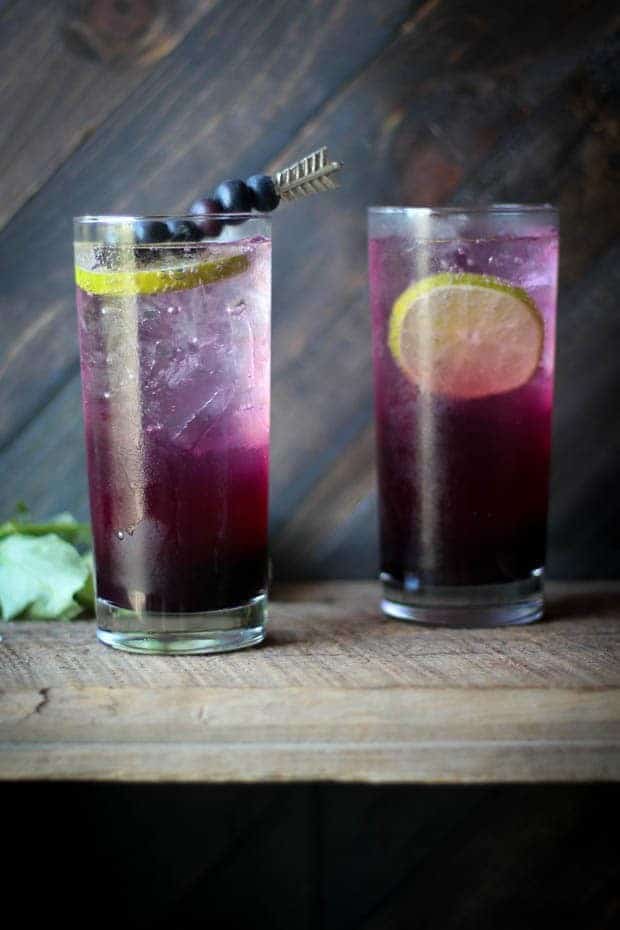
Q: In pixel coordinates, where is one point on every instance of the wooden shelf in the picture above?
(337, 693)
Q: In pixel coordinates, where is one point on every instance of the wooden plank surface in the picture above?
(430, 102)
(336, 694)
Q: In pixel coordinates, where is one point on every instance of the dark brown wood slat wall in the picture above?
(55, 106)
(440, 101)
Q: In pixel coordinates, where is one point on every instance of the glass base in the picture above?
(182, 634)
(508, 604)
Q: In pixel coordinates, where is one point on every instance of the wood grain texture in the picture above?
(424, 102)
(77, 82)
(336, 694)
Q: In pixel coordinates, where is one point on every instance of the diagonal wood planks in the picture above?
(431, 102)
(56, 106)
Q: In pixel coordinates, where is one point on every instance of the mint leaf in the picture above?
(40, 575)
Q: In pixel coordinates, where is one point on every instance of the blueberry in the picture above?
(234, 196)
(104, 253)
(264, 190)
(146, 231)
(208, 226)
(145, 257)
(183, 231)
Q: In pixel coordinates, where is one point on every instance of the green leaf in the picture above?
(63, 525)
(86, 595)
(40, 575)
(67, 527)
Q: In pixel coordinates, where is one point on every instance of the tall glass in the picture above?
(463, 305)
(175, 358)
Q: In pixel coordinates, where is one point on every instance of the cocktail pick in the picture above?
(310, 175)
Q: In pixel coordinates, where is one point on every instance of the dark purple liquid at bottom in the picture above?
(201, 541)
(463, 486)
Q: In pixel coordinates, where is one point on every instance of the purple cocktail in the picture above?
(463, 308)
(175, 355)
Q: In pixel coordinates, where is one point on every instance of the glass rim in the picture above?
(451, 210)
(112, 218)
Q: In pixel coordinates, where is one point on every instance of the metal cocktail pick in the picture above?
(310, 175)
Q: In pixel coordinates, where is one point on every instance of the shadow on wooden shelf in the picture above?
(313, 858)
(582, 605)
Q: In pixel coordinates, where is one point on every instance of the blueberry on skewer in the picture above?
(183, 231)
(203, 210)
(262, 187)
(146, 231)
(234, 197)
(261, 192)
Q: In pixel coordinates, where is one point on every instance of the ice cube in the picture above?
(190, 421)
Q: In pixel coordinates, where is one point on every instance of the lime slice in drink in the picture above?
(466, 335)
(159, 280)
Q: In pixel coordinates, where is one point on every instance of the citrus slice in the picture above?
(159, 280)
(466, 335)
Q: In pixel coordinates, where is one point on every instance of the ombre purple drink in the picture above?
(175, 356)
(463, 309)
